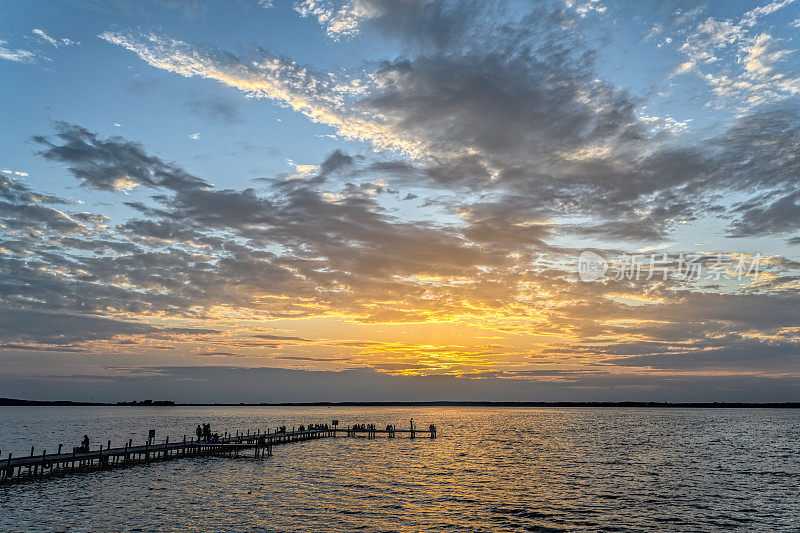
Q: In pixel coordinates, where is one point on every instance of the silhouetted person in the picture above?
(85, 443)
(411, 424)
(199, 432)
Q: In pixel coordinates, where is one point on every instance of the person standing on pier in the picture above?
(199, 433)
(85, 443)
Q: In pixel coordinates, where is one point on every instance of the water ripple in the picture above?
(494, 470)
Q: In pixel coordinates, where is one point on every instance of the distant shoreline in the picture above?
(12, 402)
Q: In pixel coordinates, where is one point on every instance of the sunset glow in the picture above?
(400, 191)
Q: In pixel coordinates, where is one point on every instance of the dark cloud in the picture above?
(39, 348)
(196, 248)
(730, 353)
(541, 124)
(777, 216)
(37, 216)
(112, 164)
(60, 328)
(231, 384)
(215, 110)
(512, 108)
(23, 209)
(335, 161)
(418, 25)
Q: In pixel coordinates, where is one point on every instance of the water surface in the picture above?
(491, 469)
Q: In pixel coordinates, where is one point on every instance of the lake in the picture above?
(491, 469)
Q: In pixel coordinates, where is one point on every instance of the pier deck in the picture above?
(42, 464)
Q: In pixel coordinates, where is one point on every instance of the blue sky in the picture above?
(397, 187)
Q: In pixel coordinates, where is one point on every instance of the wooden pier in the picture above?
(38, 465)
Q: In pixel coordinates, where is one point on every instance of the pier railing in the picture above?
(42, 464)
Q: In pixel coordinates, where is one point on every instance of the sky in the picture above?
(332, 200)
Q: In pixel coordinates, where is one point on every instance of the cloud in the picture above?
(341, 21)
(684, 68)
(202, 242)
(739, 354)
(715, 47)
(215, 110)
(499, 120)
(112, 164)
(23, 209)
(335, 161)
(203, 259)
(265, 76)
(584, 8)
(61, 329)
(18, 56)
(42, 35)
(516, 111)
(768, 216)
(751, 17)
(762, 55)
(264, 384)
(14, 172)
(271, 337)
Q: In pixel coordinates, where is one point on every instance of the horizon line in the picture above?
(14, 402)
